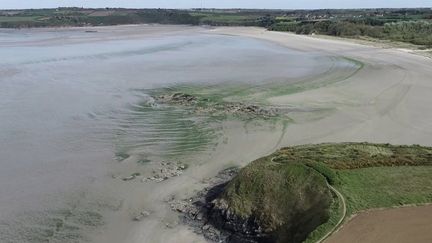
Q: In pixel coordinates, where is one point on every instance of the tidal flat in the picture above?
(81, 135)
(91, 154)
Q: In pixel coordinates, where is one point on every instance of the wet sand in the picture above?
(398, 225)
(77, 119)
(386, 101)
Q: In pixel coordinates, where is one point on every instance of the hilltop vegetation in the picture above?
(416, 32)
(271, 201)
(405, 25)
(284, 197)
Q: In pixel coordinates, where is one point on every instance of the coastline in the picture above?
(338, 44)
(373, 105)
(386, 100)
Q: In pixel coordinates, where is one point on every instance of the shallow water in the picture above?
(72, 103)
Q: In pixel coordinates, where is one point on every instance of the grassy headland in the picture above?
(272, 191)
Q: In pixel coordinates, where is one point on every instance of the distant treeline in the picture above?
(406, 25)
(417, 32)
(87, 17)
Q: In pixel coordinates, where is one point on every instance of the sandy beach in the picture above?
(387, 101)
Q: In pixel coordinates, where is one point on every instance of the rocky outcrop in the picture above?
(271, 203)
(195, 211)
(252, 110)
(177, 98)
(251, 229)
(256, 205)
(201, 105)
(156, 172)
(239, 229)
(165, 171)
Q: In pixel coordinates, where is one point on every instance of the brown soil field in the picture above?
(398, 225)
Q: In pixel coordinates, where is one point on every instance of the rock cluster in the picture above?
(242, 229)
(251, 110)
(197, 210)
(131, 177)
(165, 171)
(204, 106)
(177, 98)
(142, 215)
(157, 172)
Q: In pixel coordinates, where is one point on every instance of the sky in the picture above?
(271, 4)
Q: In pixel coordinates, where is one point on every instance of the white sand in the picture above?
(389, 100)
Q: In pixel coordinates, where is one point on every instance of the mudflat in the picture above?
(410, 224)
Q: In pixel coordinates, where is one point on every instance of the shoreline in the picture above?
(367, 41)
(362, 110)
(277, 38)
(239, 188)
(385, 101)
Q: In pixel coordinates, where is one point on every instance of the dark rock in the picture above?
(178, 98)
(142, 215)
(235, 108)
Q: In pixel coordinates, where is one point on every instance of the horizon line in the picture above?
(283, 9)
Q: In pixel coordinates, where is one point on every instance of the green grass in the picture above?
(227, 19)
(269, 184)
(282, 197)
(383, 187)
(335, 213)
(368, 176)
(18, 18)
(358, 155)
(332, 176)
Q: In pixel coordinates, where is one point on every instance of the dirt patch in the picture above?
(410, 224)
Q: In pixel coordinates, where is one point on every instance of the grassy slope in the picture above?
(263, 189)
(336, 213)
(290, 199)
(368, 175)
(379, 187)
(386, 187)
